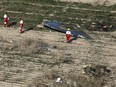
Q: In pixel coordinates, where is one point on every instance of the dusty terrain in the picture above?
(39, 56)
(109, 2)
(20, 67)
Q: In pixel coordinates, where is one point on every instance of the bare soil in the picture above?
(18, 69)
(109, 2)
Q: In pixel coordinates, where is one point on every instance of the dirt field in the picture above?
(39, 56)
(109, 2)
(20, 67)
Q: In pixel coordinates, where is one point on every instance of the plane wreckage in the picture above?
(60, 27)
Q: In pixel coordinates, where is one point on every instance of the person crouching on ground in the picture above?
(21, 25)
(6, 18)
(68, 35)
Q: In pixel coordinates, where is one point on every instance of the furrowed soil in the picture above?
(22, 66)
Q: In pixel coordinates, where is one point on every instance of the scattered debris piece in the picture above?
(39, 26)
(57, 26)
(96, 70)
(59, 80)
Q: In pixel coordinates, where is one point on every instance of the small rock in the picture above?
(55, 47)
(51, 15)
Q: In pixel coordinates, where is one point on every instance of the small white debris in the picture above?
(11, 41)
(76, 18)
(78, 25)
(84, 66)
(83, 72)
(59, 80)
(51, 15)
(93, 23)
(39, 26)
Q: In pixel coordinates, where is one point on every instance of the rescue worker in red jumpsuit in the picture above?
(6, 18)
(21, 25)
(68, 35)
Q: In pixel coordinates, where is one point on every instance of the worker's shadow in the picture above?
(28, 29)
(74, 38)
(12, 24)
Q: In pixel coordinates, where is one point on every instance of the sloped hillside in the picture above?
(37, 57)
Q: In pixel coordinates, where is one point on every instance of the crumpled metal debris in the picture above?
(96, 70)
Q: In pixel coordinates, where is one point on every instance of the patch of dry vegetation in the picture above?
(72, 80)
(29, 46)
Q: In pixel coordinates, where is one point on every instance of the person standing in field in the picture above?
(6, 18)
(21, 25)
(68, 35)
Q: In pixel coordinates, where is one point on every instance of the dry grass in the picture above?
(70, 81)
(52, 74)
(30, 46)
(37, 82)
(26, 46)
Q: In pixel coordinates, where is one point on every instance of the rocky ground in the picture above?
(39, 57)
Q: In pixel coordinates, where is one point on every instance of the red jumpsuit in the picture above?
(5, 20)
(68, 35)
(21, 25)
